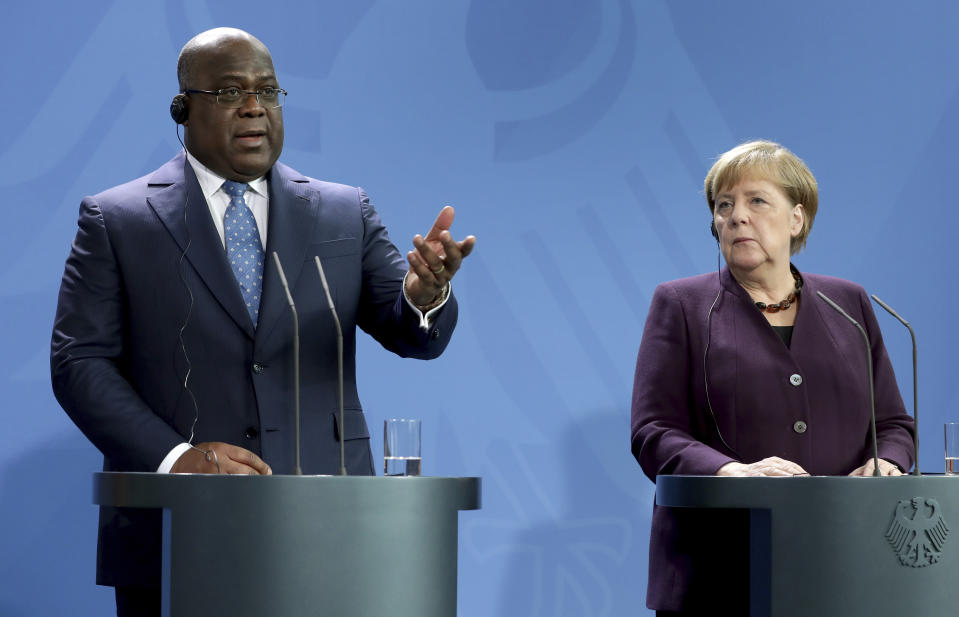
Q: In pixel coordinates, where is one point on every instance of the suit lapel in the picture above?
(292, 217)
(184, 212)
(818, 324)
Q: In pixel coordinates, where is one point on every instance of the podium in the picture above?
(824, 546)
(294, 546)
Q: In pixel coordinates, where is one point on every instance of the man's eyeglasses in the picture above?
(234, 97)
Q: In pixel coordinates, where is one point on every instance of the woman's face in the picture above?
(756, 223)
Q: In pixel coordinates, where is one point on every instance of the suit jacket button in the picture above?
(800, 427)
(251, 432)
(795, 379)
(435, 333)
(258, 368)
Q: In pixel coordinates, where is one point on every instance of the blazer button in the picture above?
(435, 333)
(258, 368)
(251, 432)
(800, 427)
(795, 379)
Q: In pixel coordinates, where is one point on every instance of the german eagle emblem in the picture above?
(917, 532)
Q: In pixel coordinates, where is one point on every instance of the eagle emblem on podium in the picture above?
(917, 532)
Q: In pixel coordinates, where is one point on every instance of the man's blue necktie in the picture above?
(243, 247)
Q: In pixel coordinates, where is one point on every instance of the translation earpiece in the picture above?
(179, 110)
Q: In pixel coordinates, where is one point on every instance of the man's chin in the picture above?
(251, 169)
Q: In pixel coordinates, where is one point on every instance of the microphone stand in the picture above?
(296, 360)
(915, 377)
(872, 394)
(339, 361)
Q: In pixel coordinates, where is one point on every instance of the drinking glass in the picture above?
(401, 447)
(952, 448)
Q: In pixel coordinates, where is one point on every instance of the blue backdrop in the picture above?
(572, 137)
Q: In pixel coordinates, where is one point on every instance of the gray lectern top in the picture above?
(824, 546)
(290, 546)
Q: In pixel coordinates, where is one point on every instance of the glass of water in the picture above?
(401, 447)
(952, 448)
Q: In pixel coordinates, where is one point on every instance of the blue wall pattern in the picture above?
(572, 137)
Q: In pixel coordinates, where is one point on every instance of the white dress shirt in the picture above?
(257, 198)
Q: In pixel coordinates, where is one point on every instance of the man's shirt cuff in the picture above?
(425, 318)
(167, 464)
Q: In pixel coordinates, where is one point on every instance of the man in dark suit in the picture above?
(172, 345)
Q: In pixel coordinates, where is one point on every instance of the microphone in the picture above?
(915, 376)
(872, 394)
(339, 361)
(296, 360)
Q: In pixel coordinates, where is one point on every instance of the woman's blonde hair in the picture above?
(770, 161)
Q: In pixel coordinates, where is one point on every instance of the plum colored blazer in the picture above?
(808, 403)
(147, 261)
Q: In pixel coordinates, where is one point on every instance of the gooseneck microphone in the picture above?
(915, 377)
(296, 360)
(872, 394)
(339, 361)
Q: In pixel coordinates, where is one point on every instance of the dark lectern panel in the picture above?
(871, 547)
(303, 545)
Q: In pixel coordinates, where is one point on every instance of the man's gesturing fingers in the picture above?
(442, 223)
(435, 259)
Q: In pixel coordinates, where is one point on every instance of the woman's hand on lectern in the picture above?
(772, 466)
(885, 469)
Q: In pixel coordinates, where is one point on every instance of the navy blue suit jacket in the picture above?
(697, 558)
(147, 262)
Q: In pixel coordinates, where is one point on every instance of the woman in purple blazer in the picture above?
(746, 372)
